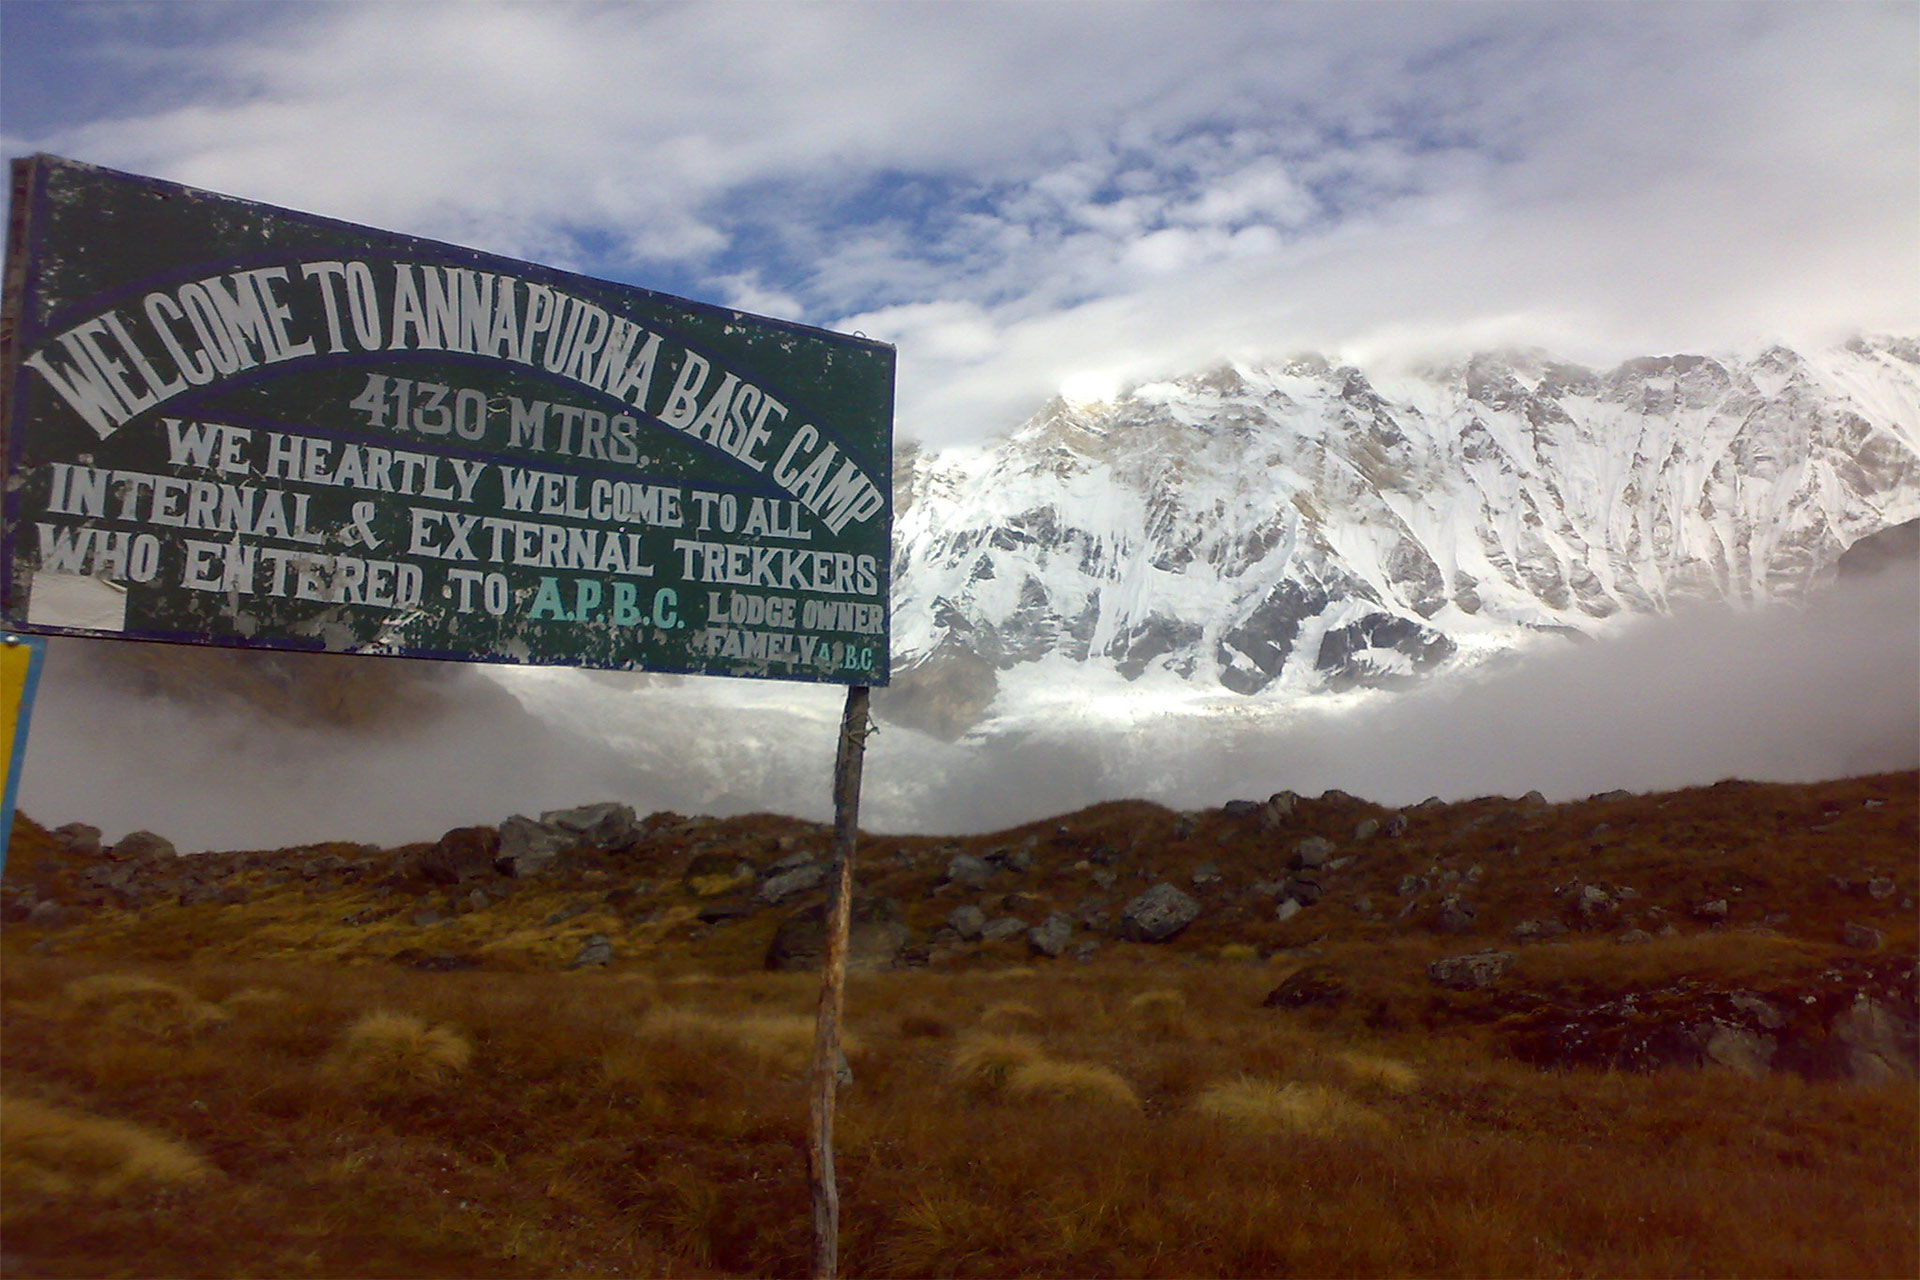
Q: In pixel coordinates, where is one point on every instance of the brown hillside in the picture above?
(1692, 1052)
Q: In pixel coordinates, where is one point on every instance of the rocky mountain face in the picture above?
(1305, 527)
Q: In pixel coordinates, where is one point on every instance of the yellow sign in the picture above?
(19, 674)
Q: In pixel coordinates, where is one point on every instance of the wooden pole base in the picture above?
(824, 1078)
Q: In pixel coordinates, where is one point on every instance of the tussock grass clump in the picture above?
(676, 1044)
(1292, 1107)
(784, 1040)
(1046, 1081)
(140, 1003)
(984, 1061)
(1160, 1014)
(393, 1053)
(1366, 1070)
(49, 1151)
(1012, 1016)
(1238, 953)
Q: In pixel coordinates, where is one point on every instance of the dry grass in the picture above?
(1043, 1080)
(1291, 1107)
(386, 1053)
(600, 1133)
(1371, 1071)
(650, 1120)
(1160, 1014)
(49, 1151)
(141, 1003)
(983, 1062)
(1013, 1017)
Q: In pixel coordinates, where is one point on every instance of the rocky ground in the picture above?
(1751, 927)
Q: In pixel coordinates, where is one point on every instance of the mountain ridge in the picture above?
(1301, 527)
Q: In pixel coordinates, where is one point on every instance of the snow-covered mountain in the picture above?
(1299, 527)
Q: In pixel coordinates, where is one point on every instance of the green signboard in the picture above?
(233, 424)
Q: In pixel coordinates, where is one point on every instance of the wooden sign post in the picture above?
(227, 423)
(833, 987)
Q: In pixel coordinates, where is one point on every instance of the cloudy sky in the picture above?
(1035, 196)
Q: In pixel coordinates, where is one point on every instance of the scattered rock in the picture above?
(1880, 1044)
(876, 937)
(1362, 905)
(1746, 1053)
(1002, 928)
(1456, 915)
(1311, 853)
(1366, 829)
(777, 889)
(1240, 808)
(1051, 937)
(144, 846)
(1158, 914)
(1303, 890)
(1315, 985)
(1763, 1012)
(1712, 911)
(1015, 858)
(598, 826)
(1396, 826)
(967, 922)
(1287, 910)
(792, 860)
(460, 855)
(1880, 888)
(1537, 930)
(1083, 950)
(1862, 937)
(1279, 807)
(1634, 938)
(1534, 800)
(526, 847)
(79, 838)
(966, 869)
(1411, 885)
(1468, 972)
(49, 914)
(1205, 874)
(1592, 903)
(597, 950)
(1854, 1021)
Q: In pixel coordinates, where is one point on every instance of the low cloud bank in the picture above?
(1784, 693)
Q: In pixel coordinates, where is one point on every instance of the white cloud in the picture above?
(1026, 190)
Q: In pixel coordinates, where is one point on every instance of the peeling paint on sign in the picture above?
(234, 424)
